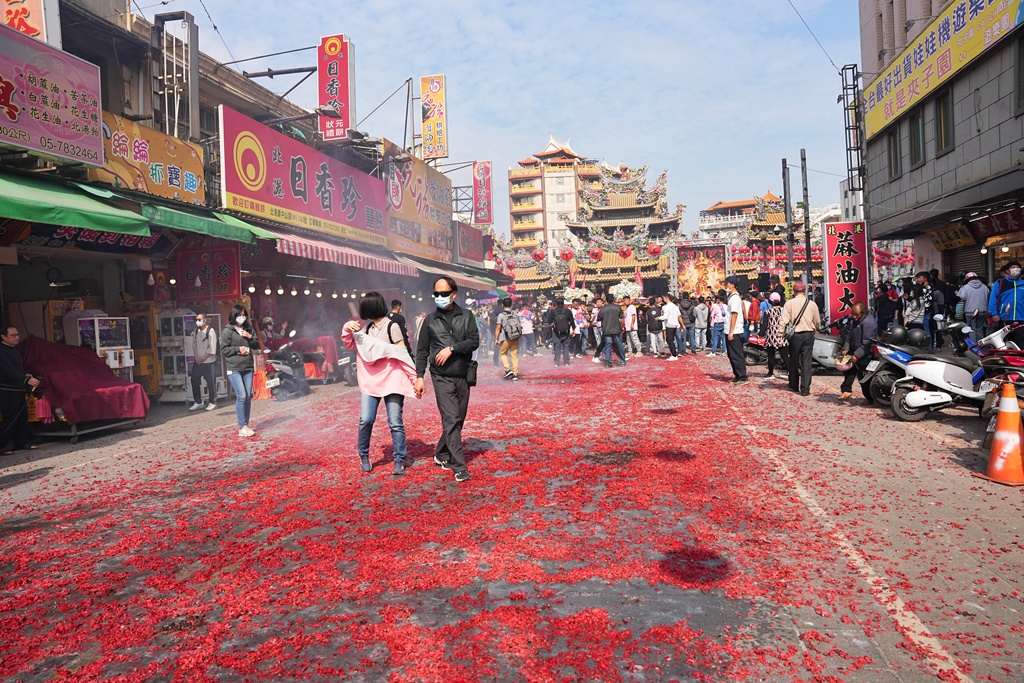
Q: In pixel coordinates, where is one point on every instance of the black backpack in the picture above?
(561, 323)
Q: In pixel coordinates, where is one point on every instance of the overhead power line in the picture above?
(215, 29)
(827, 55)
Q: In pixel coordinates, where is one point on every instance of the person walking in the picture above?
(753, 316)
(563, 326)
(735, 324)
(860, 339)
(803, 314)
(774, 340)
(701, 312)
(396, 316)
(718, 311)
(656, 328)
(975, 297)
(507, 334)
(632, 337)
(528, 342)
(204, 351)
(238, 346)
(1006, 301)
(687, 331)
(612, 319)
(670, 316)
(14, 383)
(385, 372)
(446, 345)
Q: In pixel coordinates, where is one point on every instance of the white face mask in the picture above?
(1014, 272)
(240, 320)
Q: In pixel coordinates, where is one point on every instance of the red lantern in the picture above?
(596, 253)
(654, 249)
(497, 260)
(510, 266)
(511, 288)
(735, 250)
(567, 254)
(538, 255)
(625, 252)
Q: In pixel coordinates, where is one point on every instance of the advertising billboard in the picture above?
(49, 101)
(145, 160)
(435, 117)
(845, 268)
(270, 175)
(701, 269)
(217, 264)
(954, 39)
(469, 244)
(419, 207)
(336, 85)
(482, 193)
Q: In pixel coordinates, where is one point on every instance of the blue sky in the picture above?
(715, 91)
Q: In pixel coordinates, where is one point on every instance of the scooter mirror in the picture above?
(292, 333)
(939, 317)
(966, 329)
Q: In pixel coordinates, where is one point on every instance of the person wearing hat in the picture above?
(771, 330)
(805, 317)
(735, 325)
(974, 294)
(1006, 301)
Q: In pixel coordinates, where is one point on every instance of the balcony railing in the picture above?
(520, 207)
(526, 188)
(588, 169)
(524, 172)
(526, 225)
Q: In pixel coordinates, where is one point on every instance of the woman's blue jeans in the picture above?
(368, 414)
(718, 338)
(241, 383)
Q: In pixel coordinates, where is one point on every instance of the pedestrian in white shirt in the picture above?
(670, 316)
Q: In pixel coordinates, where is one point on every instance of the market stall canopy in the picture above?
(461, 277)
(318, 250)
(166, 217)
(40, 201)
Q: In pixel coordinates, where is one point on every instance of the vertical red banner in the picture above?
(482, 193)
(845, 267)
(335, 70)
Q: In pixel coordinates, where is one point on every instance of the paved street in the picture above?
(640, 524)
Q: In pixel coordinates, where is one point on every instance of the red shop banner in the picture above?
(845, 267)
(335, 70)
(218, 263)
(482, 193)
(269, 175)
(469, 244)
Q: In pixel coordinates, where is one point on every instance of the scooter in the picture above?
(827, 348)
(754, 351)
(934, 382)
(286, 373)
(889, 365)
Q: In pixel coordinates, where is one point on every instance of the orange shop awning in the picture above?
(316, 250)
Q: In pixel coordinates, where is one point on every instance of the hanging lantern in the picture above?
(510, 266)
(596, 253)
(654, 249)
(537, 255)
(567, 254)
(625, 252)
(510, 288)
(497, 260)
(735, 250)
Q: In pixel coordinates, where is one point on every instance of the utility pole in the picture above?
(807, 215)
(789, 216)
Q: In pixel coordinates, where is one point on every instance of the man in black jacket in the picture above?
(859, 340)
(14, 382)
(447, 341)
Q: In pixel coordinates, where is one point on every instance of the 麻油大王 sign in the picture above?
(845, 268)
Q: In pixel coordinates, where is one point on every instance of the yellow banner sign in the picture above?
(145, 160)
(435, 117)
(952, 236)
(957, 36)
(419, 206)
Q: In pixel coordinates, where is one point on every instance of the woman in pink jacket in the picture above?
(385, 371)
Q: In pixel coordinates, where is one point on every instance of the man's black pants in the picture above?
(856, 372)
(203, 371)
(734, 349)
(14, 429)
(452, 395)
(670, 337)
(562, 346)
(800, 347)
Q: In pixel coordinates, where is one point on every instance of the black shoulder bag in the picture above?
(471, 367)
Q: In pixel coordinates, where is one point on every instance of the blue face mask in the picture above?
(443, 301)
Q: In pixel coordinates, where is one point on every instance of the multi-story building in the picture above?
(544, 186)
(726, 220)
(943, 94)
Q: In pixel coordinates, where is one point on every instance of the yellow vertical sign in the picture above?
(435, 117)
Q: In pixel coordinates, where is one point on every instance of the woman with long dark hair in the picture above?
(238, 345)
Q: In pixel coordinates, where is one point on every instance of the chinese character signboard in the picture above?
(419, 207)
(469, 244)
(998, 224)
(14, 232)
(435, 117)
(952, 236)
(845, 267)
(701, 269)
(216, 263)
(336, 85)
(49, 101)
(272, 176)
(33, 18)
(142, 159)
(957, 36)
(482, 193)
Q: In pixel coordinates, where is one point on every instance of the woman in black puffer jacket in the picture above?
(239, 344)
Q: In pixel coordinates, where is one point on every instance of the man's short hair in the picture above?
(925, 274)
(395, 303)
(448, 281)
(507, 302)
(860, 307)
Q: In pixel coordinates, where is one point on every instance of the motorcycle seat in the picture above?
(958, 361)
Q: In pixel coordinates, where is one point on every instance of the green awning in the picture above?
(165, 217)
(39, 201)
(254, 229)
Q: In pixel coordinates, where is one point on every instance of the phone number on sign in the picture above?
(76, 151)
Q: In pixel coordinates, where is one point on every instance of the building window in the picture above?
(560, 199)
(944, 121)
(895, 154)
(559, 181)
(917, 138)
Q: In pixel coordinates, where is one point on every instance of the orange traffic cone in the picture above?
(1004, 459)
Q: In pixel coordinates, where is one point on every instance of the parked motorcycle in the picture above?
(347, 365)
(286, 373)
(827, 348)
(937, 381)
(893, 352)
(754, 351)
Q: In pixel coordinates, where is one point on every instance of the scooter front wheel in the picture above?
(902, 410)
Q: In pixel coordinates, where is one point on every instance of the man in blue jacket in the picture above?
(860, 338)
(1006, 302)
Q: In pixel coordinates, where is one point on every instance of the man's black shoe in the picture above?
(462, 476)
(444, 465)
